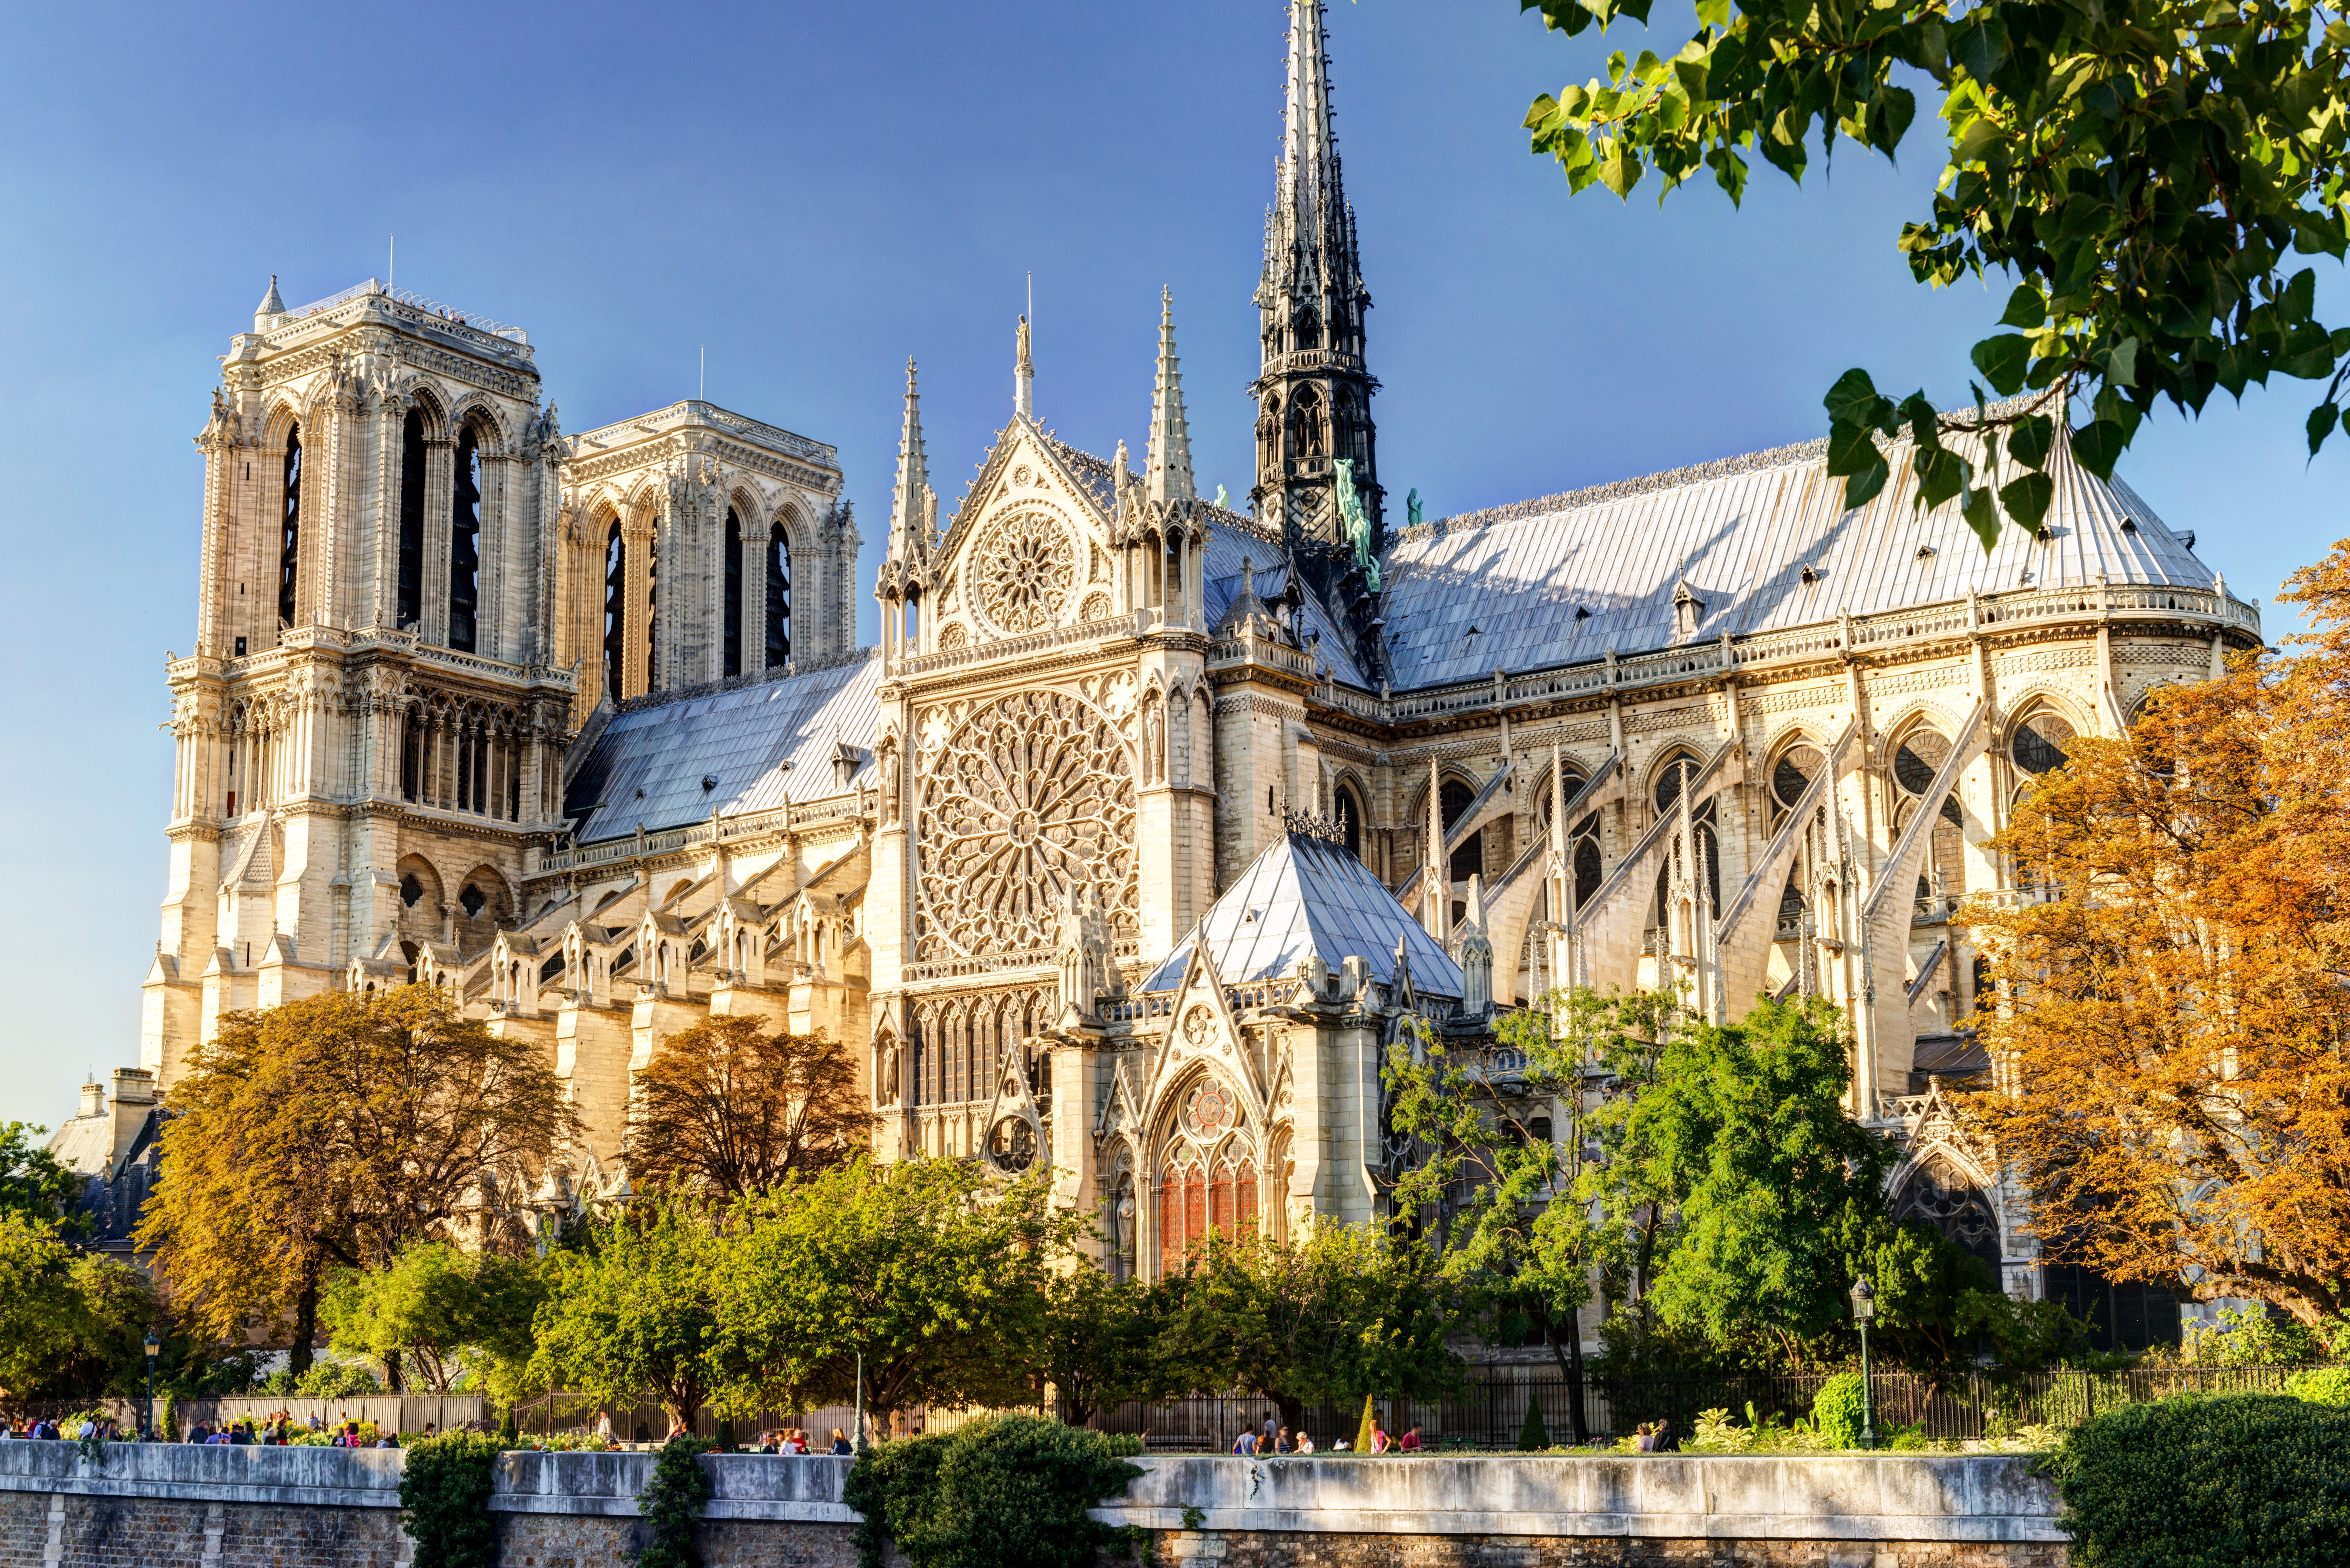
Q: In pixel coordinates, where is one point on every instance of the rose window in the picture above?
(1027, 797)
(1022, 573)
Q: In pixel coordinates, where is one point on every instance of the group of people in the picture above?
(1274, 1438)
(795, 1440)
(1656, 1437)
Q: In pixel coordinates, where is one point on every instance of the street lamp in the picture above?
(1863, 1307)
(153, 1347)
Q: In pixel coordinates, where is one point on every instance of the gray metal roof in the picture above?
(1306, 895)
(1235, 539)
(1743, 529)
(761, 742)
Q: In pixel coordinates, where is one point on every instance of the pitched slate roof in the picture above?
(1235, 538)
(1743, 529)
(1306, 895)
(760, 743)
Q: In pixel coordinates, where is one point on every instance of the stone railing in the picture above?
(1989, 1500)
(972, 653)
(852, 807)
(300, 639)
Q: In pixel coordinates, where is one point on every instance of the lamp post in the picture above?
(153, 1347)
(1863, 1307)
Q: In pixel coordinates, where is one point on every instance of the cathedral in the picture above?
(1149, 821)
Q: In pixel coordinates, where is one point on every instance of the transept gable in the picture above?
(1202, 1031)
(1032, 546)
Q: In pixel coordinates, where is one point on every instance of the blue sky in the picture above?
(815, 193)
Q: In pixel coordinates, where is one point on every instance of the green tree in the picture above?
(327, 1134)
(2146, 171)
(71, 1323)
(924, 1268)
(633, 1312)
(435, 1313)
(34, 1183)
(1094, 1342)
(1770, 1195)
(1322, 1316)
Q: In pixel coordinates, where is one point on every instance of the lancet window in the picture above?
(730, 634)
(1942, 879)
(1797, 766)
(289, 539)
(615, 607)
(779, 597)
(1206, 1174)
(466, 542)
(1349, 812)
(1470, 857)
(407, 609)
(652, 609)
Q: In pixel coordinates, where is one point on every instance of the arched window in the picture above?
(409, 608)
(730, 639)
(1350, 821)
(2040, 741)
(779, 599)
(1587, 870)
(1942, 877)
(466, 542)
(1797, 766)
(652, 609)
(289, 540)
(1470, 857)
(1207, 1177)
(616, 608)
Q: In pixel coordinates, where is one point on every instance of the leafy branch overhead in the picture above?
(2146, 171)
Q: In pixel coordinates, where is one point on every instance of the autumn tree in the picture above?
(2172, 1039)
(927, 1270)
(2148, 172)
(326, 1134)
(729, 1107)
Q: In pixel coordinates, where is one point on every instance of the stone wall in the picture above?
(219, 1506)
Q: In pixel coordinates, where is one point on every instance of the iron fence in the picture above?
(1485, 1410)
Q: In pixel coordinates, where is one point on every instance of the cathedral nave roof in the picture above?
(1743, 533)
(760, 742)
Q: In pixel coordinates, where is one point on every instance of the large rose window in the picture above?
(1022, 573)
(1027, 796)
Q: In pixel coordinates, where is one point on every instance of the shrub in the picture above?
(2259, 1480)
(444, 1493)
(2321, 1385)
(1718, 1434)
(670, 1502)
(1009, 1492)
(1363, 1431)
(1533, 1437)
(1837, 1411)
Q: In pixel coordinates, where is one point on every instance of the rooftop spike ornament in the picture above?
(1168, 460)
(1024, 377)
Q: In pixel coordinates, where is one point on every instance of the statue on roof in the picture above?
(1354, 526)
(1411, 507)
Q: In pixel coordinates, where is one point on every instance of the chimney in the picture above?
(93, 1100)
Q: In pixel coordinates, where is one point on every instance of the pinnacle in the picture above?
(1167, 475)
(271, 303)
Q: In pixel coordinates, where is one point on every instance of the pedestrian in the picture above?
(1272, 1431)
(1304, 1441)
(1379, 1437)
(1282, 1444)
(1661, 1440)
(1411, 1443)
(1245, 1444)
(841, 1443)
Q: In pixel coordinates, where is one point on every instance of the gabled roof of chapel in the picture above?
(1306, 895)
(1743, 532)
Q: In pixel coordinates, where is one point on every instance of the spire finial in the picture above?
(1169, 476)
(1024, 377)
(909, 529)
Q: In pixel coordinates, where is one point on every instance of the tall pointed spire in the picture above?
(1170, 457)
(1307, 185)
(909, 506)
(1024, 377)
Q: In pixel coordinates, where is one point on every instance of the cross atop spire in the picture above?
(1168, 477)
(909, 507)
(1024, 377)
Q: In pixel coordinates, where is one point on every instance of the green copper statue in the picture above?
(1411, 505)
(1356, 526)
(1221, 505)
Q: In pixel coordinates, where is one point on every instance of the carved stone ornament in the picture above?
(1022, 572)
(1026, 796)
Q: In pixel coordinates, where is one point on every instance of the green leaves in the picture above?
(2139, 173)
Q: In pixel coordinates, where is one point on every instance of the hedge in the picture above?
(2245, 1481)
(1009, 1492)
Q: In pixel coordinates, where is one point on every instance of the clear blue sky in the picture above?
(816, 192)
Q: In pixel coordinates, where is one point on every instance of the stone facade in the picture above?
(477, 703)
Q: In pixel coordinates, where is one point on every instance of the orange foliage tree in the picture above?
(2171, 1044)
(729, 1107)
